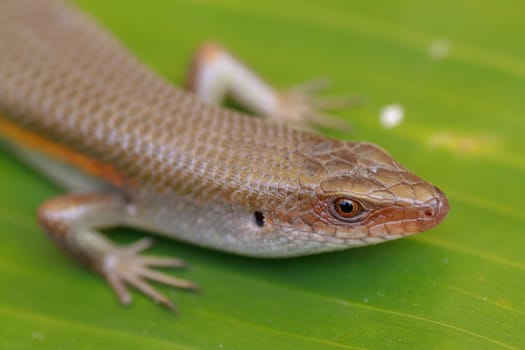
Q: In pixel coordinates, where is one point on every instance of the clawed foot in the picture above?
(301, 106)
(124, 266)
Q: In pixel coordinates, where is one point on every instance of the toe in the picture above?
(148, 290)
(166, 279)
(160, 261)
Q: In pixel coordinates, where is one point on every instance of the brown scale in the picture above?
(64, 77)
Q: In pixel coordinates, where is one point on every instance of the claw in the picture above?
(166, 279)
(120, 289)
(312, 86)
(300, 106)
(330, 122)
(123, 267)
(161, 261)
(150, 291)
(140, 245)
(331, 103)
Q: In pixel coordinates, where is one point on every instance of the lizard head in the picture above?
(331, 195)
(354, 194)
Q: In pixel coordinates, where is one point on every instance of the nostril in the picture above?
(429, 213)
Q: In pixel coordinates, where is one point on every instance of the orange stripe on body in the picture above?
(54, 150)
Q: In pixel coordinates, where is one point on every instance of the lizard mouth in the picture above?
(407, 220)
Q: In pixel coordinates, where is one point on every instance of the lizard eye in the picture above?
(346, 208)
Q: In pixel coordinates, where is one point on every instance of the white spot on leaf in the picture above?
(391, 115)
(439, 48)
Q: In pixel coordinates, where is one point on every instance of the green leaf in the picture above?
(459, 286)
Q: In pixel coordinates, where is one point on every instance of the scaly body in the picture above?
(157, 158)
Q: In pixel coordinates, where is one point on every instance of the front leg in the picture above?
(72, 222)
(215, 74)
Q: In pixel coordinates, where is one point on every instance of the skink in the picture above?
(136, 151)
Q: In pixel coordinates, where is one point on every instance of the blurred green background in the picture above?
(457, 68)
